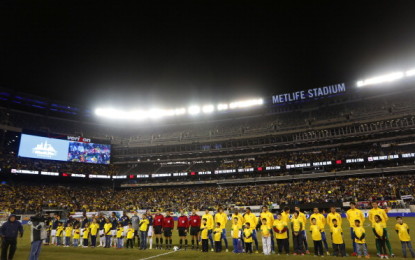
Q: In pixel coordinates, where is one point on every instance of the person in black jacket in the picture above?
(39, 234)
(8, 233)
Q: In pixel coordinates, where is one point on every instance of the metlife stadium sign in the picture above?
(309, 94)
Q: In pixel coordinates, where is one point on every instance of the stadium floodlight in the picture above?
(381, 79)
(222, 107)
(207, 109)
(193, 110)
(246, 103)
(156, 113)
(410, 73)
(179, 111)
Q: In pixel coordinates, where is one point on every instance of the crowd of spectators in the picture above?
(253, 162)
(21, 198)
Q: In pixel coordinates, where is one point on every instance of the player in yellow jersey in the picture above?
(210, 225)
(253, 221)
(402, 230)
(222, 218)
(285, 216)
(280, 228)
(334, 215)
(321, 223)
(352, 215)
(236, 232)
(384, 218)
(143, 228)
(336, 231)
(297, 227)
(303, 219)
(359, 238)
(270, 221)
(94, 227)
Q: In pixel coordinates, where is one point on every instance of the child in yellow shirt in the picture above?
(339, 248)
(59, 234)
(204, 235)
(248, 238)
(360, 234)
(76, 236)
(120, 231)
(217, 235)
(236, 233)
(130, 236)
(317, 238)
(402, 230)
(266, 237)
(85, 235)
(379, 229)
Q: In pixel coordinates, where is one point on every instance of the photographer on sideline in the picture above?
(39, 233)
(8, 233)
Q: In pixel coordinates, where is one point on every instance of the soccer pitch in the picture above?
(62, 253)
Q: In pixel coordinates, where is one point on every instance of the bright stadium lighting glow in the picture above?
(222, 107)
(179, 111)
(410, 73)
(193, 110)
(155, 113)
(208, 109)
(381, 79)
(246, 103)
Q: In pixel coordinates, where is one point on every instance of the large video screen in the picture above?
(39, 147)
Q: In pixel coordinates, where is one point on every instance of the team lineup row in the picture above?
(117, 232)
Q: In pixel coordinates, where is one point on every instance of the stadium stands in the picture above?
(31, 197)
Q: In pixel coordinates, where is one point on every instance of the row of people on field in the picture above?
(212, 228)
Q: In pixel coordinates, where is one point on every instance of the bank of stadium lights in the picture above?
(410, 73)
(390, 77)
(208, 109)
(193, 110)
(161, 113)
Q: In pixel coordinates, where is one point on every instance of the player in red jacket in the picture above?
(194, 222)
(168, 225)
(158, 228)
(183, 227)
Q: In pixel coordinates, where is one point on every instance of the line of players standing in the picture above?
(202, 228)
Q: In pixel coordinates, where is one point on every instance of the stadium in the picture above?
(323, 170)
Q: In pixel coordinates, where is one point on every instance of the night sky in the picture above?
(167, 53)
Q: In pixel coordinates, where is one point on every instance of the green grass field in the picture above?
(61, 253)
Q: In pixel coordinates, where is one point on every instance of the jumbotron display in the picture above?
(39, 147)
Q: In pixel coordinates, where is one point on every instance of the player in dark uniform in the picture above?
(158, 228)
(114, 222)
(101, 223)
(168, 225)
(183, 227)
(194, 222)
